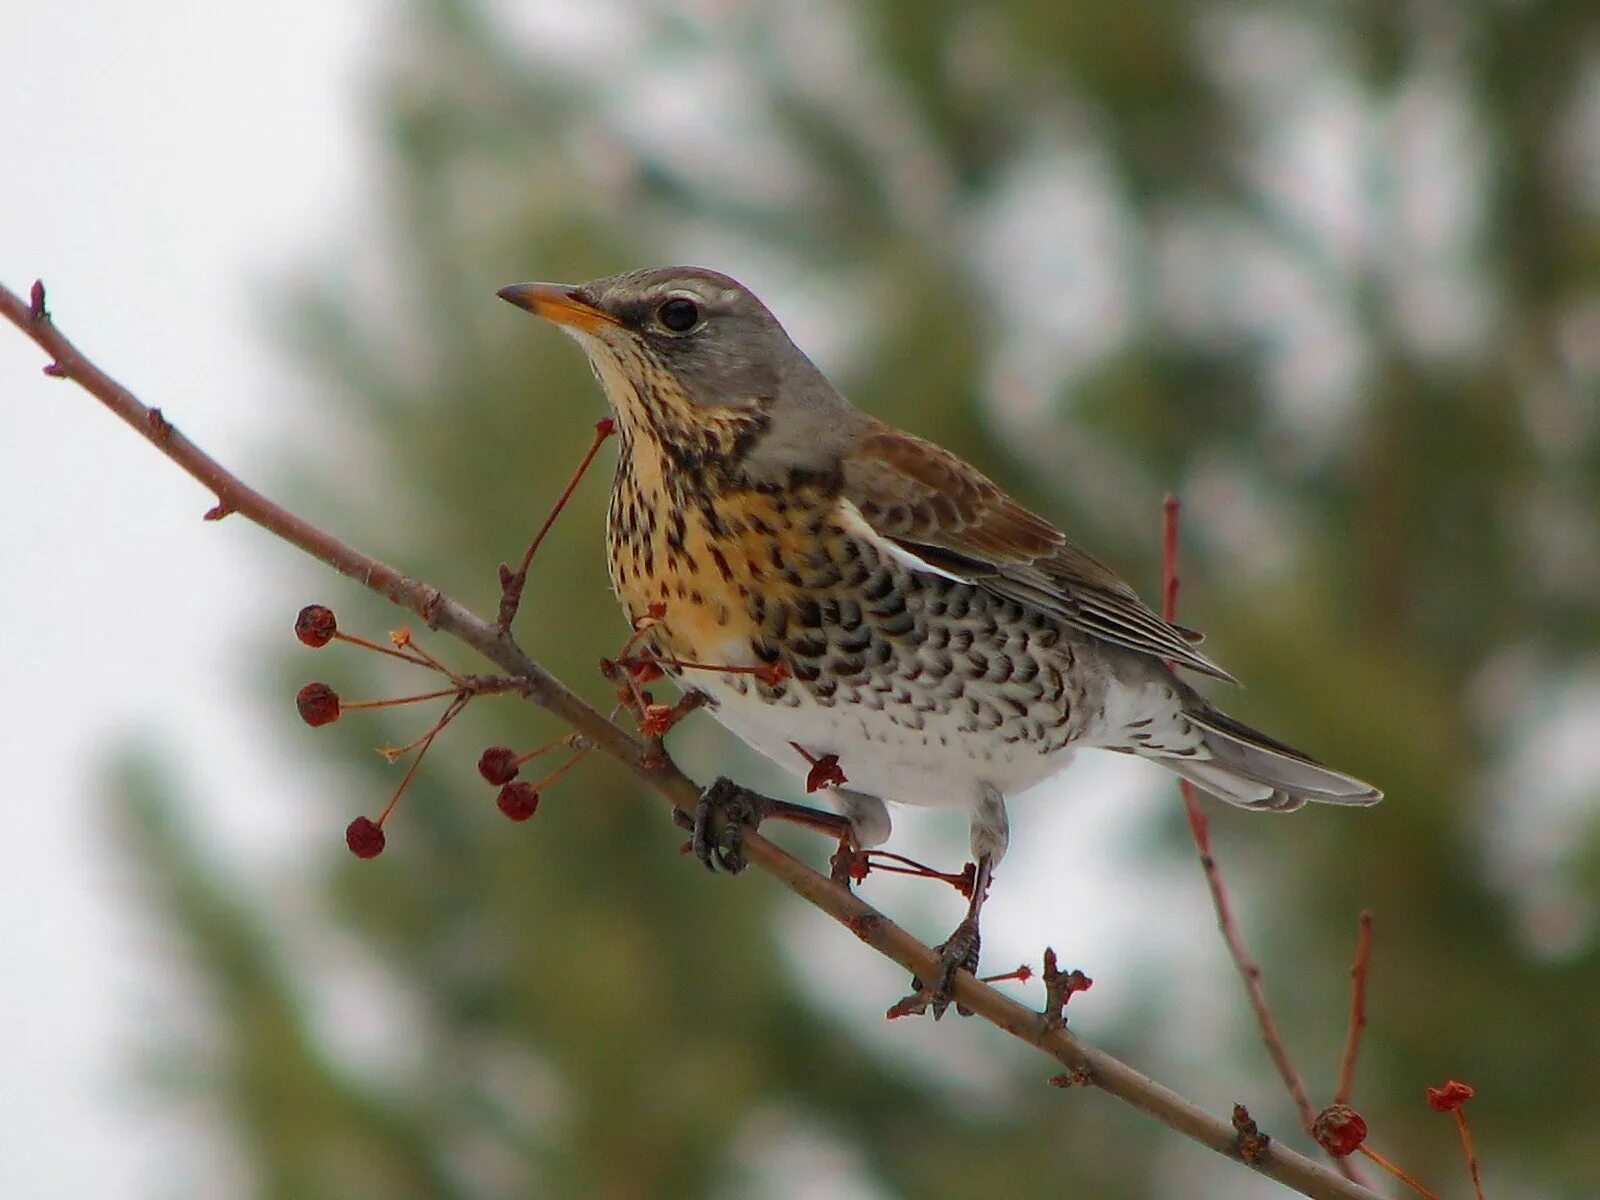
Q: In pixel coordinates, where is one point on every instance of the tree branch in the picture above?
(1086, 1063)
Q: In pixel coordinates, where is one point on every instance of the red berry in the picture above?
(772, 674)
(605, 426)
(315, 626)
(519, 801)
(498, 764)
(318, 704)
(365, 837)
(1340, 1130)
(1451, 1096)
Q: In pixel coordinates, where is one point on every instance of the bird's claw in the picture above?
(740, 810)
(958, 953)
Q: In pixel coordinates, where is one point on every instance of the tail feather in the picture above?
(1252, 770)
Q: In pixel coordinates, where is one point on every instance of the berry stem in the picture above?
(564, 739)
(512, 583)
(1022, 974)
(961, 881)
(422, 745)
(1420, 1189)
(1470, 1151)
(402, 639)
(545, 783)
(398, 700)
(762, 669)
(381, 649)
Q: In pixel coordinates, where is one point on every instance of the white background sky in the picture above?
(163, 167)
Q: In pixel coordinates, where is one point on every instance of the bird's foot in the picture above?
(958, 953)
(726, 811)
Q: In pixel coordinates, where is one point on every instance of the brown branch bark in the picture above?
(1086, 1062)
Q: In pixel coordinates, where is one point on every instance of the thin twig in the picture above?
(1221, 902)
(1358, 1009)
(1416, 1185)
(513, 582)
(1106, 1072)
(1471, 1152)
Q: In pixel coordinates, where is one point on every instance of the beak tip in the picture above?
(514, 293)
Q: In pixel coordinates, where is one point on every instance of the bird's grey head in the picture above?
(707, 331)
(682, 346)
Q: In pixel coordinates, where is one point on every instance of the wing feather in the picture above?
(939, 510)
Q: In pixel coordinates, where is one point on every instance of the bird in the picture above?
(941, 643)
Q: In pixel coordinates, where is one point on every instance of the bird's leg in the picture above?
(991, 830)
(737, 809)
(959, 952)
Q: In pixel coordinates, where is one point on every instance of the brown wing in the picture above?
(930, 504)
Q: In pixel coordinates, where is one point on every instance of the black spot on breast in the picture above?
(897, 625)
(809, 645)
(854, 638)
(849, 665)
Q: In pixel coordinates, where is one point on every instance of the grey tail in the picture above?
(1252, 770)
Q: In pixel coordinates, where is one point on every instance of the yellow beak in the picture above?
(558, 303)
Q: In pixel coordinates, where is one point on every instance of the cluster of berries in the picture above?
(319, 704)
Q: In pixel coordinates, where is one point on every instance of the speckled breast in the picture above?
(917, 669)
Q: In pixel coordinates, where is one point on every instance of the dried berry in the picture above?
(365, 837)
(657, 720)
(318, 704)
(498, 764)
(1450, 1097)
(315, 626)
(519, 801)
(1340, 1130)
(825, 773)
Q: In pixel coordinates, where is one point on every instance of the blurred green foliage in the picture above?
(1328, 271)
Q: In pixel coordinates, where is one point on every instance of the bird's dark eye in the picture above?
(679, 315)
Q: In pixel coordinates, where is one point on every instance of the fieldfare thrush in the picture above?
(950, 647)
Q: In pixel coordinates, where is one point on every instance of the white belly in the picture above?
(936, 766)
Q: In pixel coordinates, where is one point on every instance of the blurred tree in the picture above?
(1328, 271)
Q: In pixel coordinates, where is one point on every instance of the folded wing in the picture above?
(934, 508)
